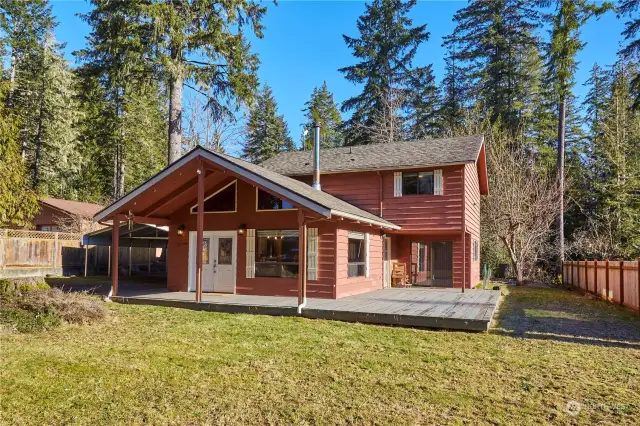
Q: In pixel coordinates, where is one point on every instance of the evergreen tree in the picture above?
(631, 8)
(494, 49)
(387, 44)
(23, 28)
(451, 115)
(423, 101)
(323, 109)
(18, 202)
(267, 132)
(569, 17)
(615, 178)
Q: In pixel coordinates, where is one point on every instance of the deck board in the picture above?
(412, 307)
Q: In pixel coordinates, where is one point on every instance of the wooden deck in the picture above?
(409, 307)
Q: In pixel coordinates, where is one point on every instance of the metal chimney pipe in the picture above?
(316, 155)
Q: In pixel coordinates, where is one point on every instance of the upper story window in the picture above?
(222, 201)
(417, 183)
(266, 201)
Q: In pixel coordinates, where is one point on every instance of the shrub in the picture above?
(17, 286)
(38, 310)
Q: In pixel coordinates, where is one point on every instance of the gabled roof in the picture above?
(422, 153)
(291, 189)
(72, 207)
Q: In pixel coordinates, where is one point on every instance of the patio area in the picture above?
(408, 307)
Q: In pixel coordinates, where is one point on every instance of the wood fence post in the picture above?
(571, 271)
(606, 281)
(595, 275)
(586, 275)
(3, 249)
(129, 257)
(622, 282)
(638, 290)
(109, 262)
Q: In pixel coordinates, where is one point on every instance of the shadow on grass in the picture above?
(566, 316)
(101, 285)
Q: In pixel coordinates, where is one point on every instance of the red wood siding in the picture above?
(472, 220)
(178, 250)
(349, 286)
(414, 213)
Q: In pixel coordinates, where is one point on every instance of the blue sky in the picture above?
(303, 45)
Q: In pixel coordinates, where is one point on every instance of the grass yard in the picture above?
(154, 365)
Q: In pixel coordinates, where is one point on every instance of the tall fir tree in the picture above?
(385, 48)
(454, 91)
(631, 51)
(322, 108)
(565, 43)
(423, 103)
(267, 132)
(18, 202)
(494, 50)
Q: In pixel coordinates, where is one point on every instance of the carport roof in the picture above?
(296, 191)
(140, 235)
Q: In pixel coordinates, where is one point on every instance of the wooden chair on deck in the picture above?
(399, 277)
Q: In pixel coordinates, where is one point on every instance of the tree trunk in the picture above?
(561, 149)
(121, 190)
(115, 169)
(175, 117)
(36, 161)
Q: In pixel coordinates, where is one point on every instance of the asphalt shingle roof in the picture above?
(320, 197)
(429, 152)
(73, 207)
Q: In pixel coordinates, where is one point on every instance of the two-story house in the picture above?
(327, 223)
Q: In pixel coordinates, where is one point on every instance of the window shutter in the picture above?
(397, 184)
(366, 254)
(437, 181)
(312, 254)
(251, 253)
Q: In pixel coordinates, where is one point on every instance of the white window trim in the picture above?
(312, 254)
(360, 236)
(271, 210)
(437, 182)
(235, 208)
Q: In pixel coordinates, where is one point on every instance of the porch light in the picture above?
(180, 230)
(241, 229)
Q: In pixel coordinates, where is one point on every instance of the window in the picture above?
(475, 250)
(266, 201)
(421, 260)
(277, 253)
(417, 183)
(357, 255)
(221, 201)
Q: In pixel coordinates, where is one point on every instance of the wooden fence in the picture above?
(612, 280)
(26, 253)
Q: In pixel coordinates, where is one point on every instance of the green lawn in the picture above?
(153, 365)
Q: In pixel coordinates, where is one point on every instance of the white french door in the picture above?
(219, 250)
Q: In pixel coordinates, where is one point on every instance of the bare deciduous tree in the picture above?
(76, 223)
(520, 208)
(217, 132)
(388, 124)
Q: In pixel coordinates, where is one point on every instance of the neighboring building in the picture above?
(53, 211)
(416, 203)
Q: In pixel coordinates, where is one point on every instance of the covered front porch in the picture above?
(408, 307)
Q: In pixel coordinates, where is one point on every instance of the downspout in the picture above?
(380, 196)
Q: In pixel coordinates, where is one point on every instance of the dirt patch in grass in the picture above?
(154, 365)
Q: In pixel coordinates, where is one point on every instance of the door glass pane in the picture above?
(205, 251)
(224, 251)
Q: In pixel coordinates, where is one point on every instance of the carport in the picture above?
(142, 250)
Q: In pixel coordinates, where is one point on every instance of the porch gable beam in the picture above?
(173, 195)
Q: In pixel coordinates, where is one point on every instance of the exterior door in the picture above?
(387, 262)
(218, 261)
(224, 262)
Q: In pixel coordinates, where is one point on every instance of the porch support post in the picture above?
(302, 261)
(115, 247)
(200, 231)
(86, 257)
